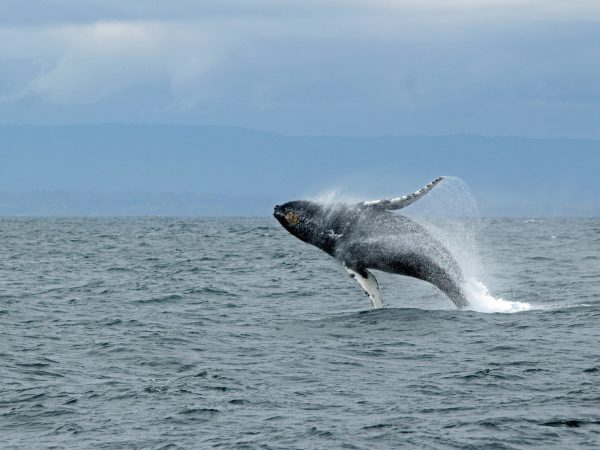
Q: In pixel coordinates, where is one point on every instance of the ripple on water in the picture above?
(189, 333)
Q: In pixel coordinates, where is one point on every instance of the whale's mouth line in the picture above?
(280, 217)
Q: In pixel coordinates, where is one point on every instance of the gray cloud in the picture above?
(22, 12)
(307, 67)
(86, 63)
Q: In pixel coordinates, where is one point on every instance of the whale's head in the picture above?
(301, 218)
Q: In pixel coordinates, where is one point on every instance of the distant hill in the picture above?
(193, 170)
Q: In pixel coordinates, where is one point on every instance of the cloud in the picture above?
(308, 15)
(23, 12)
(316, 66)
(86, 63)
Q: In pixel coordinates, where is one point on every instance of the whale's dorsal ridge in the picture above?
(402, 201)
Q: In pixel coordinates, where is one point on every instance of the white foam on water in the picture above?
(481, 300)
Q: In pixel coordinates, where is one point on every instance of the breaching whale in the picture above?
(367, 235)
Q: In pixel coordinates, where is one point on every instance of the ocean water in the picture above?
(194, 333)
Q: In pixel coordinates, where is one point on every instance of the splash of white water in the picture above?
(481, 300)
(334, 196)
(459, 232)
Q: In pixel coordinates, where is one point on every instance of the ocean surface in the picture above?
(193, 333)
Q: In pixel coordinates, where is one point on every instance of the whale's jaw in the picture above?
(279, 214)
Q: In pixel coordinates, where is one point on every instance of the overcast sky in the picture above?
(354, 67)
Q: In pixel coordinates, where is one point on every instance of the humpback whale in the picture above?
(367, 235)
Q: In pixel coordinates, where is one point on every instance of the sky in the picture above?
(354, 68)
(224, 107)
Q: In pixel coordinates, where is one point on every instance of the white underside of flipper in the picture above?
(404, 200)
(369, 285)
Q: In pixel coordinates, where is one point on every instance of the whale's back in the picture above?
(392, 243)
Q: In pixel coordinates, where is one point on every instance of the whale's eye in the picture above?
(292, 218)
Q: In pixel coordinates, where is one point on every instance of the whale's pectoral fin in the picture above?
(369, 284)
(403, 201)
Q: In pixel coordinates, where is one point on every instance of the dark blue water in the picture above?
(192, 333)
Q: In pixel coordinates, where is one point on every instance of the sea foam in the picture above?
(481, 300)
